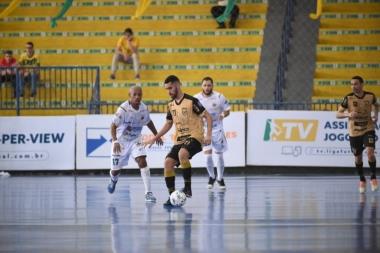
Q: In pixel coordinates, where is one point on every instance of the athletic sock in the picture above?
(220, 166)
(359, 167)
(145, 175)
(210, 165)
(372, 166)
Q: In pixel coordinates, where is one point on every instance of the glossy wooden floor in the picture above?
(254, 214)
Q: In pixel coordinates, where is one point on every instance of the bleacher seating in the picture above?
(349, 43)
(177, 37)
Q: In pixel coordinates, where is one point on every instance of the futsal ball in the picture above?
(177, 198)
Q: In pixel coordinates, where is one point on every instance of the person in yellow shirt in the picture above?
(29, 63)
(126, 52)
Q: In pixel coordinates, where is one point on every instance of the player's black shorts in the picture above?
(192, 145)
(359, 143)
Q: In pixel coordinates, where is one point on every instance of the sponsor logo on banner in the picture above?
(290, 130)
(29, 139)
(299, 138)
(37, 143)
(96, 142)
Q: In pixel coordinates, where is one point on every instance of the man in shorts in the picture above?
(361, 109)
(126, 128)
(186, 113)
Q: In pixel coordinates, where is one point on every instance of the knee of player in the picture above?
(169, 163)
(370, 153)
(183, 155)
(141, 161)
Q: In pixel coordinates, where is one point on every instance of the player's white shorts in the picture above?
(218, 142)
(134, 148)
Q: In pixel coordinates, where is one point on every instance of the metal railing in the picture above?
(161, 107)
(72, 88)
(282, 64)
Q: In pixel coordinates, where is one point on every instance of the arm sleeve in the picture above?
(169, 115)
(198, 108)
(374, 101)
(119, 43)
(147, 118)
(118, 117)
(344, 103)
(226, 106)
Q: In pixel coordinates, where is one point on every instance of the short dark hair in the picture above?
(30, 43)
(358, 78)
(8, 52)
(207, 78)
(128, 30)
(172, 79)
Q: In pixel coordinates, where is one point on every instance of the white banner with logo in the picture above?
(299, 138)
(37, 143)
(94, 142)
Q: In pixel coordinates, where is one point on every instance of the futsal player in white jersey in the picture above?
(126, 127)
(216, 105)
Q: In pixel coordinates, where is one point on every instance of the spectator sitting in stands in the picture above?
(127, 52)
(30, 61)
(8, 74)
(219, 9)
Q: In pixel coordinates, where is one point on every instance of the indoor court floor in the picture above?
(255, 214)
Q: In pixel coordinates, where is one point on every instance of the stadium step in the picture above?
(176, 37)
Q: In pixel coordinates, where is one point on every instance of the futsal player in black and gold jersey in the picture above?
(186, 113)
(361, 109)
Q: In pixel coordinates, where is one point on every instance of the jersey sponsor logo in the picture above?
(290, 130)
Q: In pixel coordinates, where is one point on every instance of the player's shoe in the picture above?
(211, 182)
(221, 184)
(168, 204)
(111, 186)
(149, 197)
(362, 186)
(187, 191)
(374, 185)
(113, 76)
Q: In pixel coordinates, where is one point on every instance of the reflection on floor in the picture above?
(260, 214)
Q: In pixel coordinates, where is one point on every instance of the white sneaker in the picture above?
(374, 185)
(362, 186)
(149, 197)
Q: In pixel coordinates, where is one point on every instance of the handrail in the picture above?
(282, 64)
(318, 12)
(161, 106)
(50, 87)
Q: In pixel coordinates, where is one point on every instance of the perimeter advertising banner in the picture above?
(37, 143)
(94, 142)
(299, 138)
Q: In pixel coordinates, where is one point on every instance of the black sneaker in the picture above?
(221, 25)
(221, 184)
(211, 182)
(168, 204)
(187, 191)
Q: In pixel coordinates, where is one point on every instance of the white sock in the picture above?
(145, 175)
(136, 63)
(116, 177)
(220, 166)
(115, 58)
(210, 165)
